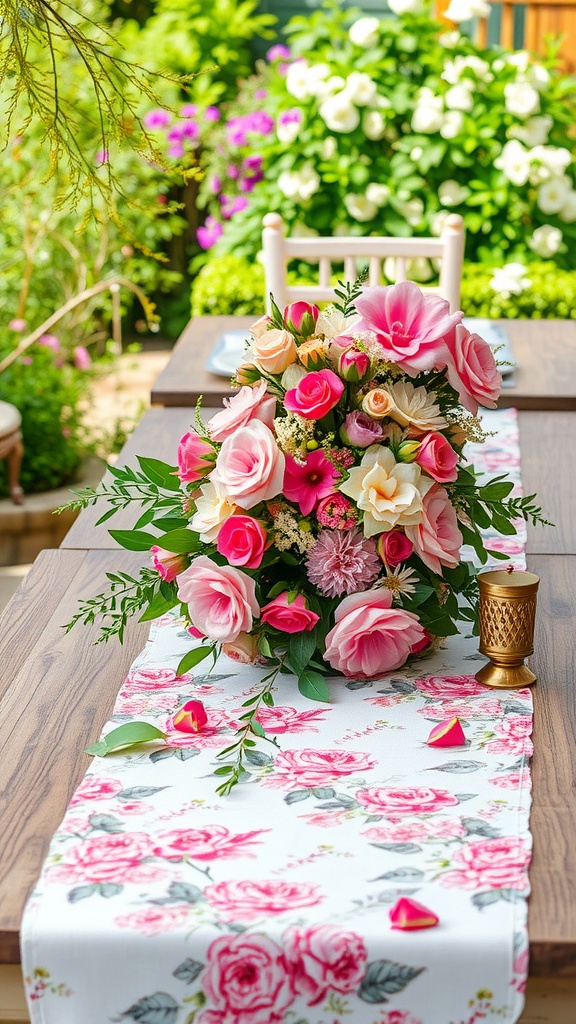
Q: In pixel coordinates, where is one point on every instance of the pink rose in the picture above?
(449, 687)
(437, 457)
(221, 600)
(325, 957)
(393, 802)
(370, 637)
(284, 719)
(307, 768)
(437, 539)
(248, 405)
(472, 369)
(154, 920)
(513, 736)
(250, 466)
(247, 981)
(490, 864)
(92, 788)
(109, 858)
(394, 547)
(244, 649)
(360, 430)
(209, 843)
(317, 393)
(248, 900)
(354, 365)
(289, 617)
(148, 679)
(242, 541)
(300, 318)
(195, 457)
(168, 565)
(462, 709)
(416, 831)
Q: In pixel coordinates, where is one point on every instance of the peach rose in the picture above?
(377, 403)
(250, 466)
(389, 493)
(260, 326)
(244, 649)
(274, 351)
(370, 637)
(221, 600)
(472, 369)
(437, 539)
(249, 404)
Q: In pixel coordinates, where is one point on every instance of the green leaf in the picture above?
(180, 541)
(384, 978)
(159, 473)
(495, 491)
(125, 736)
(301, 647)
(313, 685)
(134, 540)
(159, 605)
(503, 525)
(193, 658)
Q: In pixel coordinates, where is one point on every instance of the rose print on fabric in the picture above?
(490, 864)
(93, 788)
(284, 719)
(249, 900)
(325, 957)
(247, 981)
(114, 858)
(394, 803)
(210, 736)
(153, 920)
(513, 736)
(147, 679)
(210, 843)
(442, 688)
(305, 769)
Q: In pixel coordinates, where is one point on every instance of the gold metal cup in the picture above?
(507, 618)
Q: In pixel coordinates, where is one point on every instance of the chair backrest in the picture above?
(278, 250)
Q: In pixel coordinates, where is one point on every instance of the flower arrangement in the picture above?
(315, 523)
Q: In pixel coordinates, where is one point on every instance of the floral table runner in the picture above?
(162, 903)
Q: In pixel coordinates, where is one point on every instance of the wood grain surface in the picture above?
(545, 351)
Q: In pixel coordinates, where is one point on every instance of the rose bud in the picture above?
(247, 373)
(437, 457)
(244, 649)
(394, 547)
(168, 565)
(360, 430)
(353, 365)
(191, 717)
(300, 318)
(313, 353)
(408, 451)
(195, 457)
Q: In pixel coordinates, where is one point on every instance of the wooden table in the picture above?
(59, 690)
(545, 351)
(548, 441)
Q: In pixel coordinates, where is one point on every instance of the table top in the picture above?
(539, 383)
(59, 690)
(547, 442)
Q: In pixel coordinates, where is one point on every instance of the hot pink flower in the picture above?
(370, 637)
(250, 466)
(317, 393)
(325, 957)
(490, 864)
(209, 737)
(394, 803)
(342, 562)
(248, 900)
(437, 457)
(307, 768)
(300, 318)
(82, 359)
(410, 326)
(249, 404)
(209, 843)
(242, 541)
(247, 981)
(195, 457)
(437, 539)
(472, 369)
(221, 600)
(289, 617)
(336, 511)
(306, 485)
(394, 547)
(168, 565)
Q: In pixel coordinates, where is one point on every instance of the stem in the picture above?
(244, 733)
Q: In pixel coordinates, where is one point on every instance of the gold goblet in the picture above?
(507, 617)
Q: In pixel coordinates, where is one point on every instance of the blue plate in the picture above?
(228, 353)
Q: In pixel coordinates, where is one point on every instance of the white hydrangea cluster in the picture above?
(545, 168)
(510, 280)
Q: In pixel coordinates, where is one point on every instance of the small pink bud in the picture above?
(447, 734)
(300, 318)
(408, 915)
(191, 717)
(353, 365)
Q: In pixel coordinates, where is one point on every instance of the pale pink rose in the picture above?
(317, 393)
(93, 788)
(307, 768)
(437, 539)
(282, 719)
(513, 736)
(242, 541)
(109, 858)
(248, 900)
(195, 457)
(141, 703)
(133, 807)
(247, 981)
(274, 351)
(449, 687)
(244, 649)
(249, 404)
(167, 564)
(209, 843)
(210, 736)
(437, 457)
(462, 709)
(324, 819)
(472, 369)
(490, 864)
(250, 466)
(354, 365)
(154, 920)
(416, 831)
(149, 679)
(370, 636)
(289, 617)
(260, 326)
(409, 325)
(394, 802)
(221, 600)
(75, 824)
(325, 957)
(512, 780)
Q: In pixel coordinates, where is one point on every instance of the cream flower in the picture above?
(553, 194)
(521, 99)
(534, 131)
(415, 407)
(360, 207)
(373, 125)
(360, 88)
(364, 32)
(339, 113)
(389, 493)
(545, 241)
(451, 193)
(212, 509)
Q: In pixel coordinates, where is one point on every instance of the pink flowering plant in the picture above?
(314, 524)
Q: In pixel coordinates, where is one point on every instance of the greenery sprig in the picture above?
(242, 749)
(124, 598)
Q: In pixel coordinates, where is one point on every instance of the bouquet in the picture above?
(314, 524)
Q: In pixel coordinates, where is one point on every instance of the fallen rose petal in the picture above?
(447, 734)
(407, 915)
(191, 717)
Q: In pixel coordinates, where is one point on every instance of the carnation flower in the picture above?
(342, 562)
(336, 511)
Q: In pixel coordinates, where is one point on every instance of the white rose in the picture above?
(520, 60)
(373, 125)
(288, 132)
(534, 131)
(333, 84)
(538, 76)
(454, 69)
(555, 158)
(546, 240)
(377, 194)
(401, 7)
(452, 124)
(316, 76)
(297, 80)
(339, 114)
(412, 211)
(359, 207)
(449, 39)
(521, 99)
(212, 509)
(328, 148)
(451, 193)
(510, 280)
(428, 115)
(514, 161)
(364, 32)
(568, 211)
(464, 10)
(553, 194)
(459, 97)
(416, 153)
(360, 88)
(301, 184)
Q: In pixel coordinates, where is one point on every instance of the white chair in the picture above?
(278, 250)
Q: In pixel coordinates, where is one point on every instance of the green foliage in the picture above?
(228, 285)
(550, 296)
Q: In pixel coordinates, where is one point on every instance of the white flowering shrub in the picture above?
(385, 126)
